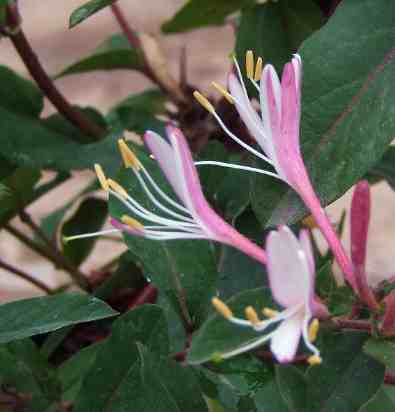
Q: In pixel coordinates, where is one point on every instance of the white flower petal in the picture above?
(285, 340)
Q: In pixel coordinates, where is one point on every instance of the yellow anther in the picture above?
(313, 330)
(222, 308)
(203, 101)
(101, 177)
(116, 187)
(251, 315)
(270, 313)
(258, 69)
(250, 64)
(309, 222)
(131, 222)
(314, 360)
(224, 92)
(128, 157)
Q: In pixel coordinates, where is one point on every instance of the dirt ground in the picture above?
(57, 46)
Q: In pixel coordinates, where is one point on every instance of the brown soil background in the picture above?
(46, 26)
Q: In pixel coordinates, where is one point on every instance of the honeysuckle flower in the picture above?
(359, 226)
(277, 134)
(291, 272)
(190, 217)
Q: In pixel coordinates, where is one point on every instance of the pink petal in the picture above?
(288, 269)
(214, 225)
(285, 340)
(305, 243)
(164, 155)
(360, 216)
(246, 111)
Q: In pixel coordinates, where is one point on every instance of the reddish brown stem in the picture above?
(147, 294)
(25, 276)
(353, 324)
(389, 378)
(123, 24)
(33, 65)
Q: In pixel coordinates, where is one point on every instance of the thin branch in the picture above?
(135, 42)
(53, 255)
(32, 63)
(389, 378)
(25, 276)
(147, 295)
(353, 324)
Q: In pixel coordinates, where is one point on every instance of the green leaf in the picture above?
(348, 84)
(269, 399)
(19, 95)
(17, 191)
(165, 386)
(59, 124)
(109, 385)
(293, 388)
(29, 317)
(88, 218)
(114, 54)
(380, 402)
(218, 336)
(336, 384)
(3, 5)
(382, 350)
(72, 372)
(23, 368)
(200, 13)
(87, 10)
(385, 167)
(187, 264)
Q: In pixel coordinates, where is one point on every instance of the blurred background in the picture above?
(207, 52)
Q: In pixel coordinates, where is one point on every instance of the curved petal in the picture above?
(285, 339)
(247, 113)
(164, 155)
(305, 243)
(288, 268)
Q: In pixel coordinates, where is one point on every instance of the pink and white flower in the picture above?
(291, 273)
(277, 134)
(191, 217)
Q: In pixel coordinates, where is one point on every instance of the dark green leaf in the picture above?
(109, 385)
(59, 124)
(336, 384)
(292, 386)
(269, 399)
(114, 54)
(89, 217)
(87, 10)
(3, 5)
(199, 13)
(16, 191)
(348, 84)
(165, 386)
(218, 335)
(189, 265)
(72, 372)
(29, 317)
(380, 402)
(382, 350)
(19, 95)
(24, 369)
(385, 167)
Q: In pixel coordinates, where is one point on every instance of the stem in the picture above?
(33, 65)
(134, 41)
(147, 295)
(389, 378)
(25, 276)
(353, 324)
(53, 255)
(313, 203)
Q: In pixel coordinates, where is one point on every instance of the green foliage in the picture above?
(87, 10)
(347, 88)
(89, 217)
(115, 53)
(382, 350)
(199, 13)
(29, 317)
